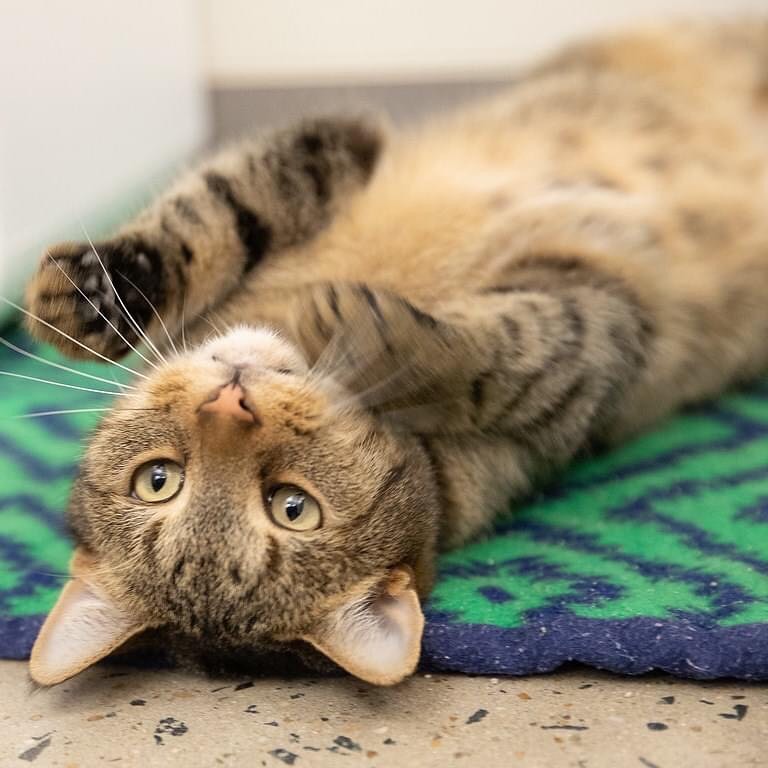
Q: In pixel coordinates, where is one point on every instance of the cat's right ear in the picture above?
(84, 626)
(375, 635)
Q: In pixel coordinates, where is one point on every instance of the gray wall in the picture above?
(237, 111)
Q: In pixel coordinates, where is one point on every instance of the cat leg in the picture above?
(202, 238)
(557, 347)
(542, 355)
(497, 389)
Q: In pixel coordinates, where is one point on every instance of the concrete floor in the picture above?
(578, 718)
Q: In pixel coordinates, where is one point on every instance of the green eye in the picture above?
(294, 509)
(157, 481)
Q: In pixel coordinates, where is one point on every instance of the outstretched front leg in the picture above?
(496, 388)
(192, 247)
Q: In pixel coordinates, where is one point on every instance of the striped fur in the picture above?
(461, 309)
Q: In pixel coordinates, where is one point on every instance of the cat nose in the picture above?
(230, 401)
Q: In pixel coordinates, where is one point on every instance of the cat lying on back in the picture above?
(413, 328)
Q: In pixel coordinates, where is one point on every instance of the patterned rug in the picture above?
(654, 556)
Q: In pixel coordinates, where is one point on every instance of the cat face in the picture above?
(237, 498)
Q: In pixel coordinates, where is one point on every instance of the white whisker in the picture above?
(331, 356)
(66, 368)
(57, 413)
(54, 575)
(183, 315)
(112, 376)
(227, 325)
(58, 383)
(152, 307)
(382, 386)
(210, 322)
(78, 410)
(129, 316)
(71, 338)
(108, 321)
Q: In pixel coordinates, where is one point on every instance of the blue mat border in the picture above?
(682, 647)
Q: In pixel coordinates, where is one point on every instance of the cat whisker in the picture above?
(59, 412)
(327, 359)
(353, 365)
(227, 326)
(425, 418)
(183, 317)
(38, 414)
(365, 396)
(364, 391)
(112, 376)
(53, 574)
(106, 319)
(338, 358)
(148, 408)
(58, 383)
(70, 338)
(152, 307)
(66, 368)
(216, 329)
(128, 315)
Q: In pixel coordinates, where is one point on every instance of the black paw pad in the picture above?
(120, 286)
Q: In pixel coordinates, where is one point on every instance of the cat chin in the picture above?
(253, 348)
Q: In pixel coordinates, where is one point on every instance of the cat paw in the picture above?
(96, 300)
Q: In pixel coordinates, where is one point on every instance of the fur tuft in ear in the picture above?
(376, 636)
(84, 627)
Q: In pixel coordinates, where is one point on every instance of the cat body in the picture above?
(425, 323)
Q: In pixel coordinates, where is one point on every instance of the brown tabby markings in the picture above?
(461, 308)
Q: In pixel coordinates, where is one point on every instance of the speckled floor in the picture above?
(578, 718)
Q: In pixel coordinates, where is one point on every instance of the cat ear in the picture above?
(376, 636)
(84, 627)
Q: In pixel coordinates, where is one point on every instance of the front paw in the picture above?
(96, 300)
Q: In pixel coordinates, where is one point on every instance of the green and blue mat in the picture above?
(653, 556)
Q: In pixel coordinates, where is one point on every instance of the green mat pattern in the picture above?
(652, 556)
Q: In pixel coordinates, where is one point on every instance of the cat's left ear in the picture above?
(84, 626)
(375, 636)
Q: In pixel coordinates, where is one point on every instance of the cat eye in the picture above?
(292, 508)
(156, 481)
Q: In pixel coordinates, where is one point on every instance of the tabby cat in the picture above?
(410, 328)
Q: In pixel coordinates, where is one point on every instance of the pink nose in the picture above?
(230, 401)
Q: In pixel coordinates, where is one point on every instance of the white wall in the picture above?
(277, 41)
(96, 97)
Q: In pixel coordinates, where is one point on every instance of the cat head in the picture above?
(237, 499)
